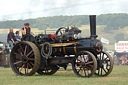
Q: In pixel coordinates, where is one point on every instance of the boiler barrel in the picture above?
(85, 45)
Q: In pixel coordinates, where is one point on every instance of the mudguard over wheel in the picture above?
(105, 64)
(30, 38)
(25, 58)
(84, 64)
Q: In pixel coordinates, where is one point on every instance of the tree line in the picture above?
(112, 21)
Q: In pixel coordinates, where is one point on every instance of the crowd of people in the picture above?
(13, 39)
(120, 60)
(124, 60)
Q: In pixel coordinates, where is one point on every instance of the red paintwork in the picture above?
(52, 35)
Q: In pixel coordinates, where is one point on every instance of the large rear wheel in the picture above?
(25, 58)
(84, 64)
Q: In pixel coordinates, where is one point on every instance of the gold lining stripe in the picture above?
(62, 44)
(64, 50)
(75, 50)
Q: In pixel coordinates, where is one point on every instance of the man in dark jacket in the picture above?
(11, 38)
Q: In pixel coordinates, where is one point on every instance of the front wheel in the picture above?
(105, 64)
(84, 64)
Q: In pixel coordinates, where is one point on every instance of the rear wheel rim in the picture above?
(105, 64)
(23, 59)
(84, 64)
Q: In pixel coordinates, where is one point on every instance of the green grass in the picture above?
(119, 76)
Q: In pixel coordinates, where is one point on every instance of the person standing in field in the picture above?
(11, 38)
(0, 55)
(26, 30)
(123, 60)
(6, 51)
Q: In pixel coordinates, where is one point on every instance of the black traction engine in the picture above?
(46, 53)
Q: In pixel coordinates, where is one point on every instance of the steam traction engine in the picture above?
(46, 53)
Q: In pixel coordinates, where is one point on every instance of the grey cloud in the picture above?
(69, 7)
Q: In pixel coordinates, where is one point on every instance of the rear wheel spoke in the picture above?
(29, 65)
(29, 53)
(25, 51)
(21, 49)
(20, 65)
(21, 68)
(20, 52)
(17, 62)
(28, 49)
(17, 54)
(31, 59)
(18, 58)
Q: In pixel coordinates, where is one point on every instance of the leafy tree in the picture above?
(112, 21)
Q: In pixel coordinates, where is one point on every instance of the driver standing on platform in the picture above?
(26, 30)
(73, 28)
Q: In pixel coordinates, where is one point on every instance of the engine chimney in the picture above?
(93, 26)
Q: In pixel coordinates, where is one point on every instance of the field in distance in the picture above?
(85, 33)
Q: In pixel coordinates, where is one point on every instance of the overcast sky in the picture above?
(24, 9)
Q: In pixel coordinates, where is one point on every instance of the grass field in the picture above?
(119, 76)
